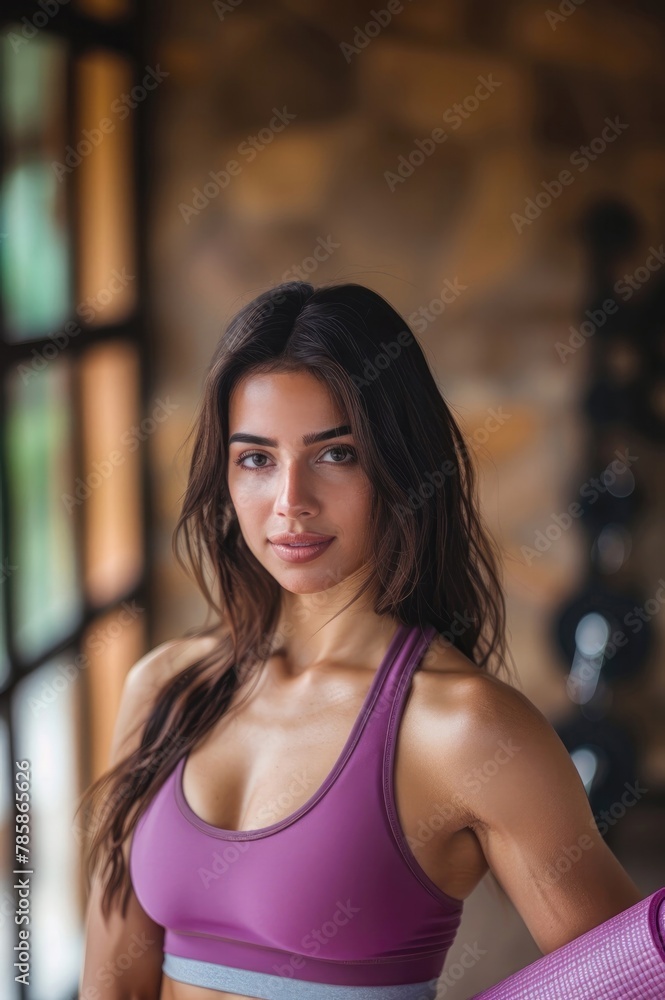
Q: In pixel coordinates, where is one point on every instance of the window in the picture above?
(73, 465)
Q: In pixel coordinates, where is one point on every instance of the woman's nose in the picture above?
(294, 497)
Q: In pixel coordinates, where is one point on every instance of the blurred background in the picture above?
(497, 172)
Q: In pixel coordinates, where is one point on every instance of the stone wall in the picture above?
(406, 156)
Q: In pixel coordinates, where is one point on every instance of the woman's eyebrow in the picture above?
(307, 439)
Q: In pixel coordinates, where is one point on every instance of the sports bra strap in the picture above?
(394, 686)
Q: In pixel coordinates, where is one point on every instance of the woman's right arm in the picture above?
(123, 956)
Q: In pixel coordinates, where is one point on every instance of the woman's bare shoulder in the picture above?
(450, 687)
(160, 664)
(144, 681)
(466, 721)
(466, 716)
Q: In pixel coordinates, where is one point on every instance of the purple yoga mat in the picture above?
(620, 959)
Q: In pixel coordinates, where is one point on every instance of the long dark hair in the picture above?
(432, 559)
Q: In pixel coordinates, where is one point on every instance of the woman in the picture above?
(304, 793)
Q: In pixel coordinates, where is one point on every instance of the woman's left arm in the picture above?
(529, 809)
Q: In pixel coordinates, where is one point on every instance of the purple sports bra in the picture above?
(329, 903)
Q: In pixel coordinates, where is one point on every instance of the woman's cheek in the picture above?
(251, 494)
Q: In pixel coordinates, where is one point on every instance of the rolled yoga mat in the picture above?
(620, 959)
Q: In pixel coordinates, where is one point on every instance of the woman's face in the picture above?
(281, 483)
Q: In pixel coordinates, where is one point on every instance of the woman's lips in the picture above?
(301, 553)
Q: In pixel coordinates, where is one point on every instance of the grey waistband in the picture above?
(269, 987)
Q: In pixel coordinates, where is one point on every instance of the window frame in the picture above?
(127, 37)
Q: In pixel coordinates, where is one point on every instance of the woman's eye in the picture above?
(348, 457)
(253, 454)
(345, 450)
